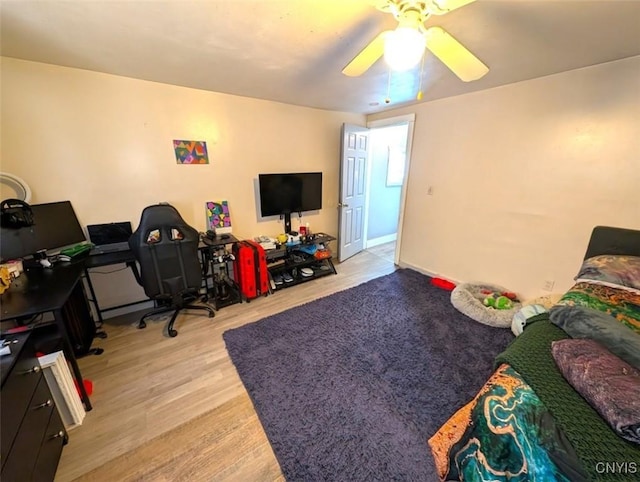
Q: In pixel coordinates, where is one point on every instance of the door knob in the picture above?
(340, 205)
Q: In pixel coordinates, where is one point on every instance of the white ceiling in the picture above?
(293, 51)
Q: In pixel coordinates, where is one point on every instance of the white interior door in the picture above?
(351, 205)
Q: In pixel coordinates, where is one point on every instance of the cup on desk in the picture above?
(302, 231)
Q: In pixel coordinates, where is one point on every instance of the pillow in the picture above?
(610, 385)
(617, 270)
(581, 322)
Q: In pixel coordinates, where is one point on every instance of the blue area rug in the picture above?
(351, 386)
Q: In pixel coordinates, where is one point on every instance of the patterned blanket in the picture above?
(527, 423)
(504, 434)
(621, 304)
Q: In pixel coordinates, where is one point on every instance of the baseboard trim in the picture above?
(427, 272)
(147, 305)
(381, 240)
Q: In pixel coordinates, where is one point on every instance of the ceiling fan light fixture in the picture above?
(403, 48)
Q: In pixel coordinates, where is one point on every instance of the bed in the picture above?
(561, 406)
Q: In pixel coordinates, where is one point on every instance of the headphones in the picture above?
(15, 213)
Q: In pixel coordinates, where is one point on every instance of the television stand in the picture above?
(286, 264)
(287, 221)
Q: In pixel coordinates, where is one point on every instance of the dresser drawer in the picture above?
(17, 392)
(54, 438)
(24, 451)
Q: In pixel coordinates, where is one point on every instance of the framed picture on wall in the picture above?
(190, 152)
(395, 166)
(218, 216)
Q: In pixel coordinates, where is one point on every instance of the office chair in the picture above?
(166, 249)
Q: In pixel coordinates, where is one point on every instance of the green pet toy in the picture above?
(497, 301)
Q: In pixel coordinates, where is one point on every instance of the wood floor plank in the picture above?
(174, 408)
(386, 251)
(195, 447)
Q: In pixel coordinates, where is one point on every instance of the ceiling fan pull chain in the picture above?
(419, 96)
(388, 99)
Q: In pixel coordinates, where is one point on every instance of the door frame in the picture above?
(408, 119)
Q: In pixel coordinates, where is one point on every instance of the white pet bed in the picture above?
(467, 299)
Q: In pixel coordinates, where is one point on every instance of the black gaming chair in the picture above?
(166, 248)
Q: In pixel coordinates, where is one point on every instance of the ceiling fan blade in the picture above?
(454, 55)
(440, 7)
(367, 56)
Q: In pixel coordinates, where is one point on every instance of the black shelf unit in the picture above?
(219, 268)
(291, 260)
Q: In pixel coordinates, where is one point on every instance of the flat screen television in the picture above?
(55, 225)
(285, 193)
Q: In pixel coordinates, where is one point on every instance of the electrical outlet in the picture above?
(430, 191)
(548, 285)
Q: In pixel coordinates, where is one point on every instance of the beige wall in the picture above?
(521, 174)
(105, 143)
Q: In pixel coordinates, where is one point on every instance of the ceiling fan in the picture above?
(404, 47)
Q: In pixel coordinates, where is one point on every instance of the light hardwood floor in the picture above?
(386, 251)
(168, 409)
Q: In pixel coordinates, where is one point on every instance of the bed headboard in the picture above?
(608, 240)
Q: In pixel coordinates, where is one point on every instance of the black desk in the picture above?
(108, 259)
(206, 246)
(98, 260)
(40, 290)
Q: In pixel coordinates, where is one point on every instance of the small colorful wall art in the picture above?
(218, 215)
(191, 152)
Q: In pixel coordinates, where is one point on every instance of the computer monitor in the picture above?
(55, 225)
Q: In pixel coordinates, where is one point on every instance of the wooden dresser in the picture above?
(32, 433)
